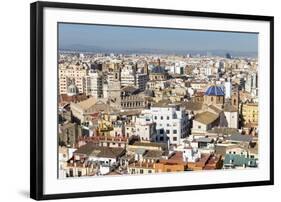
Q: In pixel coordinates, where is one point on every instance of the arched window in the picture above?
(234, 102)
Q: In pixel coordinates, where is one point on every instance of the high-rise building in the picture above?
(94, 84)
(72, 74)
(130, 77)
(228, 56)
(251, 83)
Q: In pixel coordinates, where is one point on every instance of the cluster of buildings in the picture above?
(140, 114)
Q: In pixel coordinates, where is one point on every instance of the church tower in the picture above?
(145, 68)
(114, 87)
(235, 98)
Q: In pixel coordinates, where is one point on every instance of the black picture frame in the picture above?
(36, 99)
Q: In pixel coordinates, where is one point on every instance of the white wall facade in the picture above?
(172, 120)
(232, 119)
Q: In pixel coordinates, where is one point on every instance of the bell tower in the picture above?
(235, 98)
(114, 87)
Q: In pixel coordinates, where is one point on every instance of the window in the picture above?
(168, 131)
(199, 127)
(71, 172)
(141, 171)
(79, 173)
(175, 138)
(155, 117)
(175, 131)
(149, 171)
(161, 117)
(168, 118)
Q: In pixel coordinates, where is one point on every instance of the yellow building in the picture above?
(104, 126)
(250, 113)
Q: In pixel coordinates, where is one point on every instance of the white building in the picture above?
(251, 84)
(72, 74)
(179, 67)
(208, 70)
(228, 88)
(94, 84)
(145, 127)
(190, 154)
(131, 78)
(232, 118)
(231, 115)
(105, 89)
(171, 120)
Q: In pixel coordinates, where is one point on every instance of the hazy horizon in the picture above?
(103, 38)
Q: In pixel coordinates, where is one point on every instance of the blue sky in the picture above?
(117, 37)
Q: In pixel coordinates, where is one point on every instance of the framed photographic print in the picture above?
(136, 100)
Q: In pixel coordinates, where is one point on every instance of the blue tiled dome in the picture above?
(214, 91)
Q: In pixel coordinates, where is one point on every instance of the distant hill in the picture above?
(97, 49)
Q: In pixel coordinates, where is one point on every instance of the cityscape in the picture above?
(134, 101)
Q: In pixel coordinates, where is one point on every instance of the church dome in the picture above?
(72, 90)
(214, 91)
